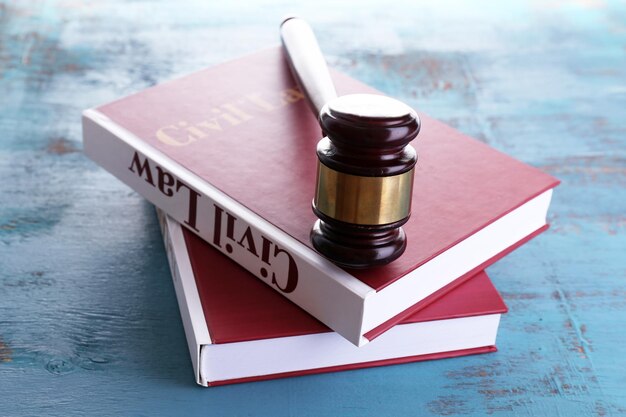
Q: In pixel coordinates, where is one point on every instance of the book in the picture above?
(229, 152)
(240, 330)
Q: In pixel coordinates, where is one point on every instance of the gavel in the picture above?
(365, 163)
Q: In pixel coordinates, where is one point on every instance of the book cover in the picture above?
(240, 330)
(229, 152)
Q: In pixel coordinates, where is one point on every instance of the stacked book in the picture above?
(228, 157)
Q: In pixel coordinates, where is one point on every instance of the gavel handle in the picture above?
(307, 62)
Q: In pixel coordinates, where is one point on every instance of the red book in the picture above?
(240, 330)
(229, 152)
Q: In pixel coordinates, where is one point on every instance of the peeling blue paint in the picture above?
(89, 324)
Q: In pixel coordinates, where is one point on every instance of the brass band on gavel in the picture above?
(363, 200)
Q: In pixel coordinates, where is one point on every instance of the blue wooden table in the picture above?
(89, 324)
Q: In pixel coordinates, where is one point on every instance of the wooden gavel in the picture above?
(365, 164)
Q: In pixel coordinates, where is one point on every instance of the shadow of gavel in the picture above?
(365, 164)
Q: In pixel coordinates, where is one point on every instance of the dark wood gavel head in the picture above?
(364, 179)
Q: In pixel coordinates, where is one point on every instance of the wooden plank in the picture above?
(88, 318)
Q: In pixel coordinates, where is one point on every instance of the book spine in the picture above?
(322, 289)
(190, 306)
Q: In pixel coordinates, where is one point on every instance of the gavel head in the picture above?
(364, 179)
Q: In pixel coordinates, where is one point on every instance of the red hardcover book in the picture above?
(240, 330)
(229, 152)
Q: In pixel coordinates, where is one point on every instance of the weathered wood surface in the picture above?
(88, 320)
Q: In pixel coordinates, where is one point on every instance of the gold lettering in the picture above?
(227, 116)
(212, 124)
(233, 113)
(196, 132)
(164, 134)
(291, 95)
